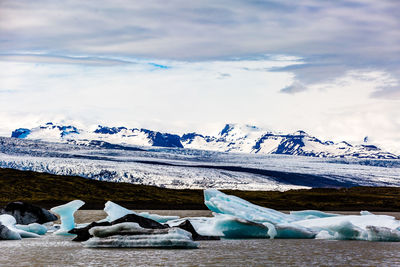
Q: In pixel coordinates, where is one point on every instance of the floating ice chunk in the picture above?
(288, 230)
(227, 226)
(383, 234)
(351, 227)
(311, 214)
(33, 228)
(7, 234)
(66, 213)
(10, 222)
(126, 228)
(365, 212)
(232, 227)
(324, 235)
(115, 211)
(240, 219)
(132, 235)
(158, 218)
(219, 202)
(357, 220)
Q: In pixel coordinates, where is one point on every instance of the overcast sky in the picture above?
(331, 68)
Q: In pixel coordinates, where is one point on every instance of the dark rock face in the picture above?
(187, 226)
(142, 221)
(82, 234)
(25, 213)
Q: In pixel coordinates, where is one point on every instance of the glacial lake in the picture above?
(61, 251)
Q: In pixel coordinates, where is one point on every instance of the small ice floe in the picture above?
(7, 234)
(9, 222)
(66, 213)
(131, 235)
(33, 228)
(115, 211)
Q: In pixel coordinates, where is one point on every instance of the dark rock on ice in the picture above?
(82, 234)
(187, 226)
(142, 221)
(7, 234)
(25, 213)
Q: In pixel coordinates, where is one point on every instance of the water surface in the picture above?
(60, 251)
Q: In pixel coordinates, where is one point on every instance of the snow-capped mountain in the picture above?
(232, 138)
(115, 135)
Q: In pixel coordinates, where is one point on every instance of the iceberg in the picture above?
(238, 218)
(7, 234)
(311, 214)
(10, 222)
(66, 213)
(158, 218)
(115, 211)
(33, 228)
(219, 202)
(132, 235)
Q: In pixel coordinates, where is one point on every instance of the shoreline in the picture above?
(48, 190)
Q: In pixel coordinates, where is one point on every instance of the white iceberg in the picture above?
(131, 235)
(10, 222)
(311, 214)
(66, 214)
(237, 218)
(222, 203)
(115, 211)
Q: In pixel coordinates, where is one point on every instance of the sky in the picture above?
(331, 68)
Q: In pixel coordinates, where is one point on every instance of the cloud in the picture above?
(332, 36)
(295, 87)
(197, 62)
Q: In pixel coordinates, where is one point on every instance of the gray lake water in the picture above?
(61, 251)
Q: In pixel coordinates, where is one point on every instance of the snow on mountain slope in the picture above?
(116, 135)
(232, 138)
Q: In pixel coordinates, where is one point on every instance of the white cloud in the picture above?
(185, 96)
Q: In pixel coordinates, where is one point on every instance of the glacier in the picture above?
(194, 169)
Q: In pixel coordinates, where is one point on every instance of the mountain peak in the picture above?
(233, 137)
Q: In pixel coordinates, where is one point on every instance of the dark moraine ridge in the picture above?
(48, 190)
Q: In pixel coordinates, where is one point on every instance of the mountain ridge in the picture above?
(232, 138)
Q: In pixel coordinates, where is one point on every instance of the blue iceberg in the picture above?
(238, 218)
(66, 214)
(33, 228)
